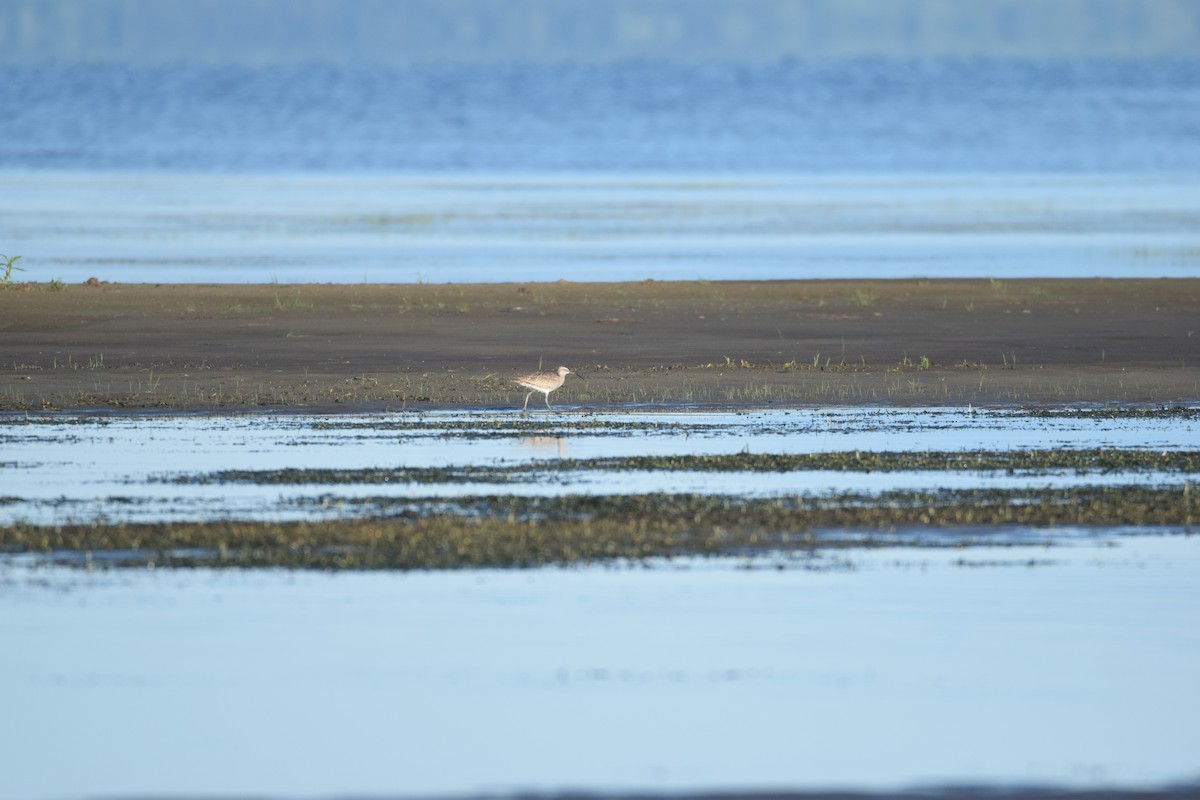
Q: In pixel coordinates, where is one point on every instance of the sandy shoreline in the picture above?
(332, 347)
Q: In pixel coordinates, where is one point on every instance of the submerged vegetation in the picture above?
(512, 531)
(1102, 460)
(406, 505)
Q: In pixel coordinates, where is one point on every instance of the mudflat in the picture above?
(327, 347)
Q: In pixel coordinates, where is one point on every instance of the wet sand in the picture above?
(328, 347)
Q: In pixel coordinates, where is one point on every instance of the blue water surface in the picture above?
(839, 116)
(601, 171)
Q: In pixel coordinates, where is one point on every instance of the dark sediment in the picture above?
(333, 347)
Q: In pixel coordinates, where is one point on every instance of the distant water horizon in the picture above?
(497, 31)
(620, 171)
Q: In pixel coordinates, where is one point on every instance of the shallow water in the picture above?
(188, 228)
(1072, 665)
(63, 468)
(993, 658)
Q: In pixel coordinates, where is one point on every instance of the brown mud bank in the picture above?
(329, 347)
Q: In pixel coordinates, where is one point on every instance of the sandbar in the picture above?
(338, 347)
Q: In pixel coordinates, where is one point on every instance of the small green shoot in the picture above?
(8, 265)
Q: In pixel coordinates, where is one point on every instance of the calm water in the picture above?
(601, 172)
(65, 468)
(1073, 665)
(301, 228)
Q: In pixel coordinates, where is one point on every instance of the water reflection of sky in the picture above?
(122, 467)
(345, 228)
(891, 669)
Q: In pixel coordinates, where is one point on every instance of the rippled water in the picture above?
(876, 116)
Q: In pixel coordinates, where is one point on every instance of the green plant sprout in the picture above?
(9, 265)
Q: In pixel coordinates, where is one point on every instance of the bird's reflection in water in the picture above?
(545, 445)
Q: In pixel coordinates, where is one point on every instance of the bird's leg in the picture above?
(548, 409)
(526, 407)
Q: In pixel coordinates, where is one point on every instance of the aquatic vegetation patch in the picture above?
(1182, 413)
(1094, 460)
(307, 476)
(22, 419)
(1084, 460)
(487, 427)
(510, 531)
(1087, 505)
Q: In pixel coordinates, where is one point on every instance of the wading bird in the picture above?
(544, 382)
